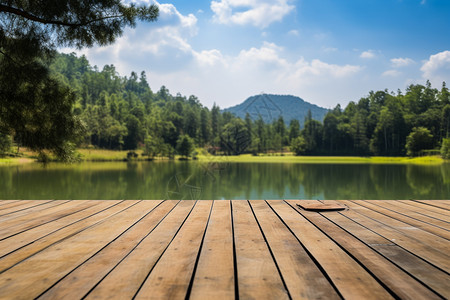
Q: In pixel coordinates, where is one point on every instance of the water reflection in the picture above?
(193, 180)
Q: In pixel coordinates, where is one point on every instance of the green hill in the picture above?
(271, 107)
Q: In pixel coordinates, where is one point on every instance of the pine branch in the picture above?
(19, 12)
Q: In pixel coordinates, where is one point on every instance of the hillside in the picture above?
(271, 107)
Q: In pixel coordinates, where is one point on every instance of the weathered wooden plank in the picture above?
(434, 278)
(17, 256)
(138, 264)
(44, 269)
(33, 219)
(430, 210)
(424, 209)
(414, 212)
(113, 250)
(4, 202)
(316, 205)
(79, 282)
(257, 274)
(303, 278)
(214, 276)
(18, 241)
(429, 246)
(31, 211)
(443, 204)
(171, 276)
(398, 281)
(407, 219)
(21, 208)
(20, 204)
(352, 280)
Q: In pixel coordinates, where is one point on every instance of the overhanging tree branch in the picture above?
(18, 12)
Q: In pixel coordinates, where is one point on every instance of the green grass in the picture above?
(289, 158)
(15, 160)
(107, 155)
(101, 155)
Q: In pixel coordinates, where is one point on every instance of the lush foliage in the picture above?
(185, 145)
(419, 139)
(445, 149)
(5, 144)
(298, 145)
(35, 107)
(123, 113)
(380, 123)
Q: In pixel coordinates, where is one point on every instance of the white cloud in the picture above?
(369, 54)
(209, 58)
(401, 62)
(294, 32)
(259, 13)
(316, 68)
(229, 80)
(437, 68)
(162, 45)
(391, 73)
(164, 50)
(266, 58)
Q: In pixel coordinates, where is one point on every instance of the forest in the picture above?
(123, 113)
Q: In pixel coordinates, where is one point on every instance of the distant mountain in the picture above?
(271, 107)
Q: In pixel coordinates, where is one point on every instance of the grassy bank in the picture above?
(15, 160)
(100, 155)
(106, 155)
(5, 160)
(247, 158)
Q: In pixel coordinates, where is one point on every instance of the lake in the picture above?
(222, 180)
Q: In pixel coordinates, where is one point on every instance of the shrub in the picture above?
(5, 144)
(419, 139)
(445, 149)
(298, 145)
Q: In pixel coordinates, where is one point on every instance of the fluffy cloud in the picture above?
(230, 79)
(162, 45)
(368, 54)
(401, 62)
(307, 71)
(266, 58)
(259, 13)
(391, 73)
(437, 67)
(163, 49)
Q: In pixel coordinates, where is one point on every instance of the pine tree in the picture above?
(35, 106)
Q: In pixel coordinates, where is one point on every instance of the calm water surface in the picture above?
(194, 180)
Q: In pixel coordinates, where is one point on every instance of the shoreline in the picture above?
(96, 155)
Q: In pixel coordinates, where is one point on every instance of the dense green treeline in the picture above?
(384, 123)
(124, 113)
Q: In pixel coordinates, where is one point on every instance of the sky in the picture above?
(324, 51)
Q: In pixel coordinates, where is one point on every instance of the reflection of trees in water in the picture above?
(424, 181)
(6, 182)
(149, 180)
(389, 182)
(445, 171)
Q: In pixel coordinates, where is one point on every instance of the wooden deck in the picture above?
(224, 250)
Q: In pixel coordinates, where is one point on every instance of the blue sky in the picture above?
(324, 51)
